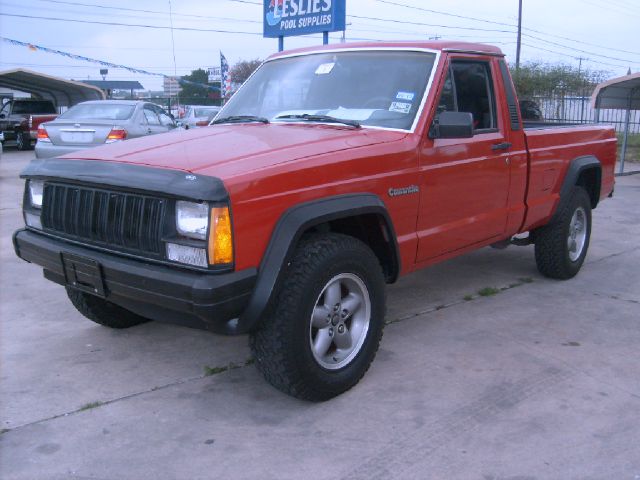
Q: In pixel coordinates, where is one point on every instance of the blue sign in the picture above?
(283, 18)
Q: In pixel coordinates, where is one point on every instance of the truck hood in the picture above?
(227, 150)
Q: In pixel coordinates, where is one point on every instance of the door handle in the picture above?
(501, 146)
(148, 130)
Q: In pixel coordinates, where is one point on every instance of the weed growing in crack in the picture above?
(488, 291)
(90, 405)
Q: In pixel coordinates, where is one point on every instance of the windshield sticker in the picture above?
(400, 107)
(405, 96)
(324, 68)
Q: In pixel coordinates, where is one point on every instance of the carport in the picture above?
(622, 93)
(63, 93)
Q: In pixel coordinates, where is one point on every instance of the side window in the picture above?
(469, 88)
(474, 93)
(151, 116)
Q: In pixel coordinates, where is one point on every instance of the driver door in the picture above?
(465, 182)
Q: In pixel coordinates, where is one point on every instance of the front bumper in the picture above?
(212, 301)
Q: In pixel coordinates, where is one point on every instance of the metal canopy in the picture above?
(622, 93)
(63, 93)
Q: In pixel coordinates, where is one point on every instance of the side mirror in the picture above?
(452, 125)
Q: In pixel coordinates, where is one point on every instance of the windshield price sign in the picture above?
(283, 18)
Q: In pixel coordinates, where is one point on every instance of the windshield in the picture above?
(97, 111)
(204, 112)
(375, 88)
(33, 107)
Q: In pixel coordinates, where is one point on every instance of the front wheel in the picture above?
(322, 332)
(561, 246)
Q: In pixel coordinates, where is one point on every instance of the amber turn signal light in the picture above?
(220, 237)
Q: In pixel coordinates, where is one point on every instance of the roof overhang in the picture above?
(63, 93)
(618, 93)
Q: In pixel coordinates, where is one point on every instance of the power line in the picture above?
(422, 24)
(137, 10)
(258, 33)
(579, 50)
(536, 47)
(118, 24)
(446, 13)
(506, 24)
(611, 7)
(368, 18)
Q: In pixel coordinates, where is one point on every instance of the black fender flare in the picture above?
(288, 231)
(576, 167)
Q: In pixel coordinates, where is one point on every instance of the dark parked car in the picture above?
(530, 110)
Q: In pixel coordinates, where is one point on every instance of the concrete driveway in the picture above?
(540, 380)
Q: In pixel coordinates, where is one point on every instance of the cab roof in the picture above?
(442, 45)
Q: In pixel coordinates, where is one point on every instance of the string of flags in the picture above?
(34, 48)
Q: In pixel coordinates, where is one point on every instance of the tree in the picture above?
(197, 93)
(243, 69)
(537, 78)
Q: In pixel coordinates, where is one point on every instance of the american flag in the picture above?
(225, 79)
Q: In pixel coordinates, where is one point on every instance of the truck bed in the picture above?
(551, 148)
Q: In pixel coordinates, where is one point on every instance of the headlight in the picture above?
(36, 188)
(192, 219)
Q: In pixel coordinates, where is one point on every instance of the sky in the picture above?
(596, 34)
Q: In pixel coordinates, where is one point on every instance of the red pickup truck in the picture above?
(332, 171)
(21, 117)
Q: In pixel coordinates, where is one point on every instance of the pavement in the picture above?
(537, 381)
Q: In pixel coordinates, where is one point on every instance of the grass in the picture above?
(488, 291)
(90, 405)
(208, 371)
(467, 298)
(633, 147)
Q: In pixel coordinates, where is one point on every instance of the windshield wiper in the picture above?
(239, 119)
(321, 118)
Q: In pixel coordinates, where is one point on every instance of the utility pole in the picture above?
(519, 35)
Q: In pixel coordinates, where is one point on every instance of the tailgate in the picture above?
(36, 120)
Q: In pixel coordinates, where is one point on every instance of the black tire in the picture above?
(552, 250)
(23, 141)
(102, 311)
(282, 346)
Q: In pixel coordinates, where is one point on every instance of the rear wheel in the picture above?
(102, 311)
(323, 330)
(561, 246)
(23, 141)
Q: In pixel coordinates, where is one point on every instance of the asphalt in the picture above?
(537, 381)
